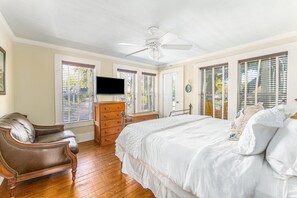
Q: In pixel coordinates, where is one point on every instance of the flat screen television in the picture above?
(107, 85)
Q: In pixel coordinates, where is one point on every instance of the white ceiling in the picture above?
(98, 25)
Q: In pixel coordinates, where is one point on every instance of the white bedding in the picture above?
(193, 152)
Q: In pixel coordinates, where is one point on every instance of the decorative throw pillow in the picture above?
(259, 130)
(17, 130)
(26, 124)
(241, 120)
(281, 152)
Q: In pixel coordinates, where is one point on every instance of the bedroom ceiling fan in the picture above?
(156, 41)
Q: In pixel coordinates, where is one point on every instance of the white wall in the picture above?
(7, 101)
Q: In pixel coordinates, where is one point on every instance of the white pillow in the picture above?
(288, 110)
(281, 152)
(259, 130)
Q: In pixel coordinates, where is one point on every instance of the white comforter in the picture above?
(194, 153)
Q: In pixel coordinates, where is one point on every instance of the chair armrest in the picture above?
(26, 158)
(45, 130)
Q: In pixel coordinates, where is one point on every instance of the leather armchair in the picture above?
(50, 149)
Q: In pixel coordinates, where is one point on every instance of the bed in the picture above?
(190, 156)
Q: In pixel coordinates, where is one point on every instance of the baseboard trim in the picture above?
(84, 137)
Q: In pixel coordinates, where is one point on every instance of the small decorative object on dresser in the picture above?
(108, 122)
(142, 116)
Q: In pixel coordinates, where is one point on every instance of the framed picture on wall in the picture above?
(2, 71)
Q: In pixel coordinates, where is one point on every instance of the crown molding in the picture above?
(73, 50)
(7, 29)
(281, 39)
(62, 48)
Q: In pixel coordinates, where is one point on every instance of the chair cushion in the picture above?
(63, 136)
(26, 125)
(54, 137)
(18, 131)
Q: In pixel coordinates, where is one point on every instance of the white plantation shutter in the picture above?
(148, 91)
(77, 91)
(263, 79)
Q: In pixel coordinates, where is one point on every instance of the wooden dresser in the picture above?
(108, 121)
(138, 117)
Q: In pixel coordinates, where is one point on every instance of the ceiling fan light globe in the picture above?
(154, 53)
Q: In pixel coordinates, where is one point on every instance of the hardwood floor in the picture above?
(98, 175)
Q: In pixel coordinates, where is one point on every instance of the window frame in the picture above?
(203, 89)
(139, 71)
(134, 87)
(154, 86)
(59, 86)
(259, 59)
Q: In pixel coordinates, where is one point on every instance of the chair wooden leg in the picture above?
(11, 186)
(73, 174)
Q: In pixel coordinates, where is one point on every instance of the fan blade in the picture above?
(137, 52)
(176, 46)
(129, 44)
(168, 37)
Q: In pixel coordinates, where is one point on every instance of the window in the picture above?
(148, 91)
(130, 89)
(140, 88)
(78, 91)
(74, 90)
(214, 96)
(263, 79)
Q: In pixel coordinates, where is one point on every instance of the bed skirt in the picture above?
(159, 184)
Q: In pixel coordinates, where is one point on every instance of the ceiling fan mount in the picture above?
(153, 30)
(153, 43)
(156, 41)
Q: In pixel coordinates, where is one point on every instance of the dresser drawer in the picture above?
(110, 139)
(112, 107)
(110, 123)
(111, 115)
(111, 131)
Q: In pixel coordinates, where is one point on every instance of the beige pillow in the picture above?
(241, 120)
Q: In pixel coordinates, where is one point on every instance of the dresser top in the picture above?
(140, 114)
(109, 102)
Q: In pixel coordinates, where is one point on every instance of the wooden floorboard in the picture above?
(98, 175)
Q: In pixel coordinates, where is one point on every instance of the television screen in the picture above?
(107, 85)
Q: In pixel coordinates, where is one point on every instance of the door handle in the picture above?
(177, 102)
